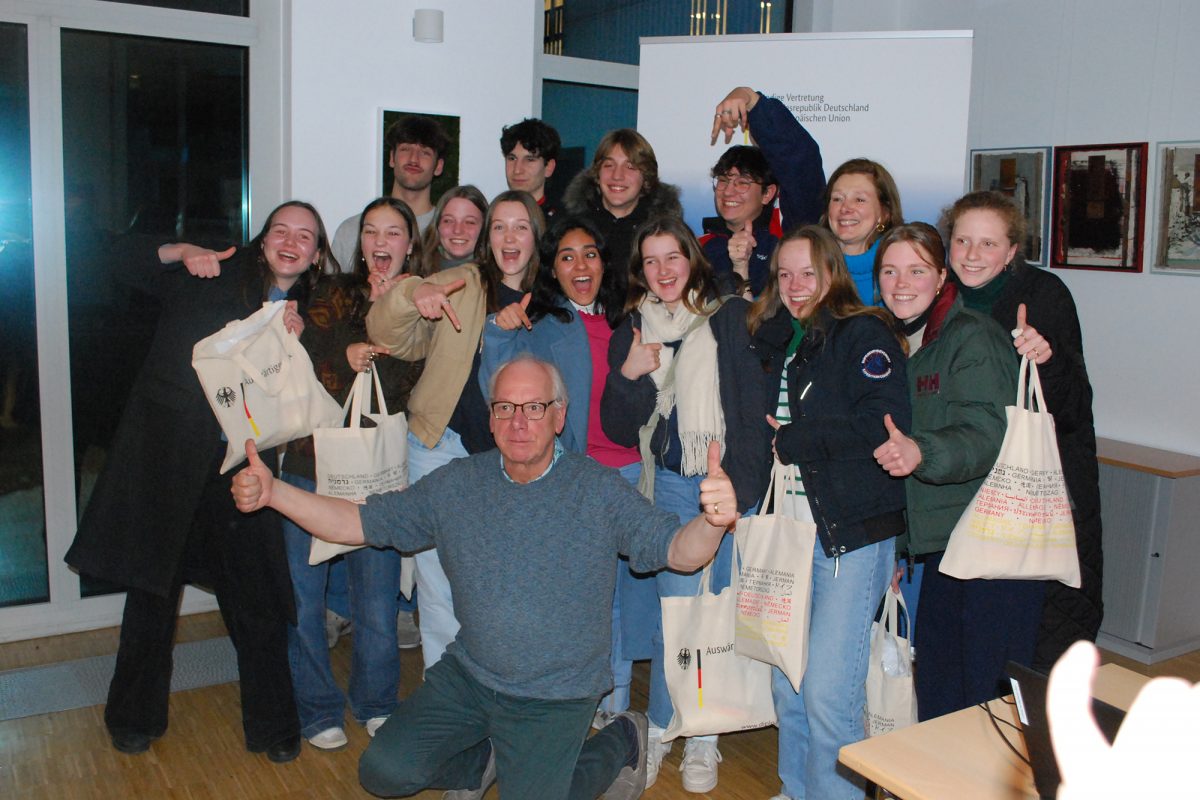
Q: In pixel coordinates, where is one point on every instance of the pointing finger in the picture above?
(450, 315)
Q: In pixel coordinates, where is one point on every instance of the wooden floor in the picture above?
(68, 755)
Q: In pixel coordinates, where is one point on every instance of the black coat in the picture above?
(583, 199)
(134, 529)
(1070, 614)
(847, 373)
(627, 405)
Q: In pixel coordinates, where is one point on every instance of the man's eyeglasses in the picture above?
(740, 182)
(532, 411)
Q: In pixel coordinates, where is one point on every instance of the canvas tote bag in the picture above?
(353, 462)
(891, 698)
(1019, 524)
(712, 688)
(775, 582)
(260, 383)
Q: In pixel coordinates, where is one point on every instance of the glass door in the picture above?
(121, 127)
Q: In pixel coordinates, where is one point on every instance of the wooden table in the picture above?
(960, 755)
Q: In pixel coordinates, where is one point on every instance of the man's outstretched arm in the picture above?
(329, 518)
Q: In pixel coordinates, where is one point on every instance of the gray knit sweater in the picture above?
(531, 566)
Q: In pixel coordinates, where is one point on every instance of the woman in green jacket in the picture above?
(961, 375)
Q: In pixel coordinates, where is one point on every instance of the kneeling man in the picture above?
(526, 534)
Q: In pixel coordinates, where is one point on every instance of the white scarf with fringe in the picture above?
(696, 390)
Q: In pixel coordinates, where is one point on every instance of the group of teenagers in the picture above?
(812, 328)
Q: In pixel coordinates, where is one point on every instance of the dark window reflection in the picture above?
(155, 151)
(23, 577)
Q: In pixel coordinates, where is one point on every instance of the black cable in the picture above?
(996, 724)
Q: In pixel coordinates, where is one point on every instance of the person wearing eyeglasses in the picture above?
(784, 163)
(527, 533)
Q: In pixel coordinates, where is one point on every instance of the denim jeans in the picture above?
(438, 623)
(681, 496)
(827, 713)
(622, 668)
(337, 592)
(373, 576)
(439, 738)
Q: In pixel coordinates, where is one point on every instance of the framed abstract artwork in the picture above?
(1099, 215)
(1177, 235)
(1023, 174)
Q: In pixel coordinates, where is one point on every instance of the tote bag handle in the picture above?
(358, 391)
(1030, 397)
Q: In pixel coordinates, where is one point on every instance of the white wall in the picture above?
(1063, 72)
(349, 60)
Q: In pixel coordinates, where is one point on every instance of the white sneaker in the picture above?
(373, 724)
(329, 739)
(408, 635)
(655, 750)
(781, 796)
(699, 765)
(336, 626)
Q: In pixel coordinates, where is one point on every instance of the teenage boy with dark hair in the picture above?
(785, 162)
(530, 149)
(416, 148)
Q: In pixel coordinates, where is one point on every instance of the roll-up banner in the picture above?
(899, 98)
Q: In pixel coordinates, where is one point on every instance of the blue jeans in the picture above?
(374, 577)
(438, 623)
(681, 496)
(622, 668)
(337, 592)
(827, 713)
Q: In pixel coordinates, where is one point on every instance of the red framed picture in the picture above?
(1099, 217)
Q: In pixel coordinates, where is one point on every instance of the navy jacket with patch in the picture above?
(849, 372)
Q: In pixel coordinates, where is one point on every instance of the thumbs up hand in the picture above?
(203, 262)
(741, 247)
(1028, 341)
(899, 455)
(252, 486)
(718, 500)
(642, 359)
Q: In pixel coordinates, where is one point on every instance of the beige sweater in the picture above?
(394, 322)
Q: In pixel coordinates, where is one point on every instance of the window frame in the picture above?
(263, 34)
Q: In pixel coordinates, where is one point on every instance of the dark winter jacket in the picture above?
(846, 375)
(960, 380)
(627, 405)
(795, 158)
(1070, 614)
(583, 199)
(136, 525)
